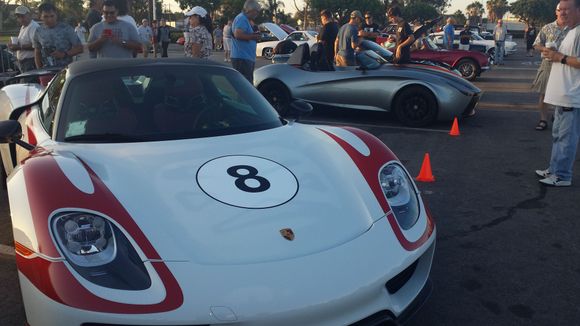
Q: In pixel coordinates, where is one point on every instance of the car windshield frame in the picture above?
(240, 111)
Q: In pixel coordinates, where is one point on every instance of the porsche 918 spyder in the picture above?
(169, 192)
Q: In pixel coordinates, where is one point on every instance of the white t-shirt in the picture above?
(563, 87)
(145, 33)
(26, 37)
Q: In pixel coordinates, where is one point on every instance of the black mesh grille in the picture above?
(381, 318)
(471, 105)
(397, 282)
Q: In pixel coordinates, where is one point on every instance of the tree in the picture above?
(272, 10)
(342, 8)
(496, 9)
(474, 13)
(419, 11)
(439, 5)
(459, 17)
(534, 11)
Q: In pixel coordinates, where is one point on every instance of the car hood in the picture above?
(180, 196)
(276, 30)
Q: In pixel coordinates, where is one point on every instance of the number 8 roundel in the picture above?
(247, 181)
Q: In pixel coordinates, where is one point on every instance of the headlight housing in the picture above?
(401, 195)
(98, 251)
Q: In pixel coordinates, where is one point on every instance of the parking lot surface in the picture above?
(507, 249)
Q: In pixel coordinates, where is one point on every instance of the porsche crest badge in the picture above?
(287, 234)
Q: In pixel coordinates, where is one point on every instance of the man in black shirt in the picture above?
(404, 36)
(464, 38)
(369, 29)
(328, 34)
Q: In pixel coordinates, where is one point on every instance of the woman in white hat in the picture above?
(200, 41)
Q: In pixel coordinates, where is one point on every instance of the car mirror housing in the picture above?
(300, 109)
(11, 132)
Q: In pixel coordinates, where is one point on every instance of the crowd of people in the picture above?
(114, 34)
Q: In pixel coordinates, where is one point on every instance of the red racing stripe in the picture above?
(49, 190)
(370, 166)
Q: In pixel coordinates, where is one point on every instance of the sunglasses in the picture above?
(109, 13)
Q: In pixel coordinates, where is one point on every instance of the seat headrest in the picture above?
(301, 56)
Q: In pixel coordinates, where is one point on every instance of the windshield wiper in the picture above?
(105, 138)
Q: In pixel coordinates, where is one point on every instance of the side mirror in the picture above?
(300, 109)
(11, 132)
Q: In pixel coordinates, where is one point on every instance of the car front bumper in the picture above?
(343, 285)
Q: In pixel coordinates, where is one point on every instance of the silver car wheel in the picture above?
(268, 53)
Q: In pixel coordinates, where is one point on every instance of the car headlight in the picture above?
(401, 195)
(99, 252)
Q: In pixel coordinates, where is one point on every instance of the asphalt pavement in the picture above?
(507, 249)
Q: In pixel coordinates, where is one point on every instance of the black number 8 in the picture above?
(251, 175)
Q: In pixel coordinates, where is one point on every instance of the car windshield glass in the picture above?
(370, 60)
(476, 37)
(152, 103)
(370, 45)
(431, 44)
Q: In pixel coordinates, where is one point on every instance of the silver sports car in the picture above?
(418, 94)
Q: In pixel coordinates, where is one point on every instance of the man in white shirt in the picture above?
(499, 35)
(23, 48)
(146, 35)
(563, 91)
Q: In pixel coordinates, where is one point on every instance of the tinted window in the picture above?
(50, 100)
(161, 103)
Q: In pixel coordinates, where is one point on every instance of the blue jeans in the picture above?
(499, 52)
(565, 134)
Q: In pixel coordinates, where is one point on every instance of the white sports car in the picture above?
(510, 46)
(169, 192)
(273, 35)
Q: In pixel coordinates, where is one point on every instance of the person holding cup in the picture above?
(550, 36)
(55, 43)
(113, 38)
(22, 44)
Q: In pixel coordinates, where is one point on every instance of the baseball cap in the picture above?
(197, 10)
(21, 10)
(356, 14)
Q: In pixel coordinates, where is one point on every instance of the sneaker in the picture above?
(554, 181)
(543, 173)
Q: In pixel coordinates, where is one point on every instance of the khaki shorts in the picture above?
(541, 82)
(343, 62)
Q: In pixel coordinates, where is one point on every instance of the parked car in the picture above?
(469, 63)
(476, 40)
(272, 34)
(169, 190)
(418, 94)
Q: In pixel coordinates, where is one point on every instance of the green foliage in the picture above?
(459, 17)
(496, 9)
(342, 8)
(419, 11)
(475, 9)
(534, 11)
(439, 5)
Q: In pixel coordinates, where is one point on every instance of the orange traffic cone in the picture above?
(455, 128)
(426, 175)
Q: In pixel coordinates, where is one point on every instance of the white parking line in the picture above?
(6, 250)
(347, 123)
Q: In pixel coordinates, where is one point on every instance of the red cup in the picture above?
(108, 32)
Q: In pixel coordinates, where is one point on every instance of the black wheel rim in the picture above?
(416, 108)
(277, 99)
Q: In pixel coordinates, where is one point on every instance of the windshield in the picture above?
(153, 103)
(431, 44)
(370, 60)
(370, 45)
(476, 37)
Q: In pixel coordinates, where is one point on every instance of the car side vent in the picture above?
(397, 282)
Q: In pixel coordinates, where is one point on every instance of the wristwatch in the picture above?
(563, 61)
(124, 43)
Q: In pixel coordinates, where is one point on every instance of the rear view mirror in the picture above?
(299, 109)
(11, 132)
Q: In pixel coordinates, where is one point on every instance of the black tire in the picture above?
(277, 94)
(268, 53)
(468, 68)
(415, 106)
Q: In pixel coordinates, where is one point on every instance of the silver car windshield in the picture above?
(152, 103)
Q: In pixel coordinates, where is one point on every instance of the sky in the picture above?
(289, 5)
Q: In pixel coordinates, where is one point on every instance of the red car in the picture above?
(469, 63)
